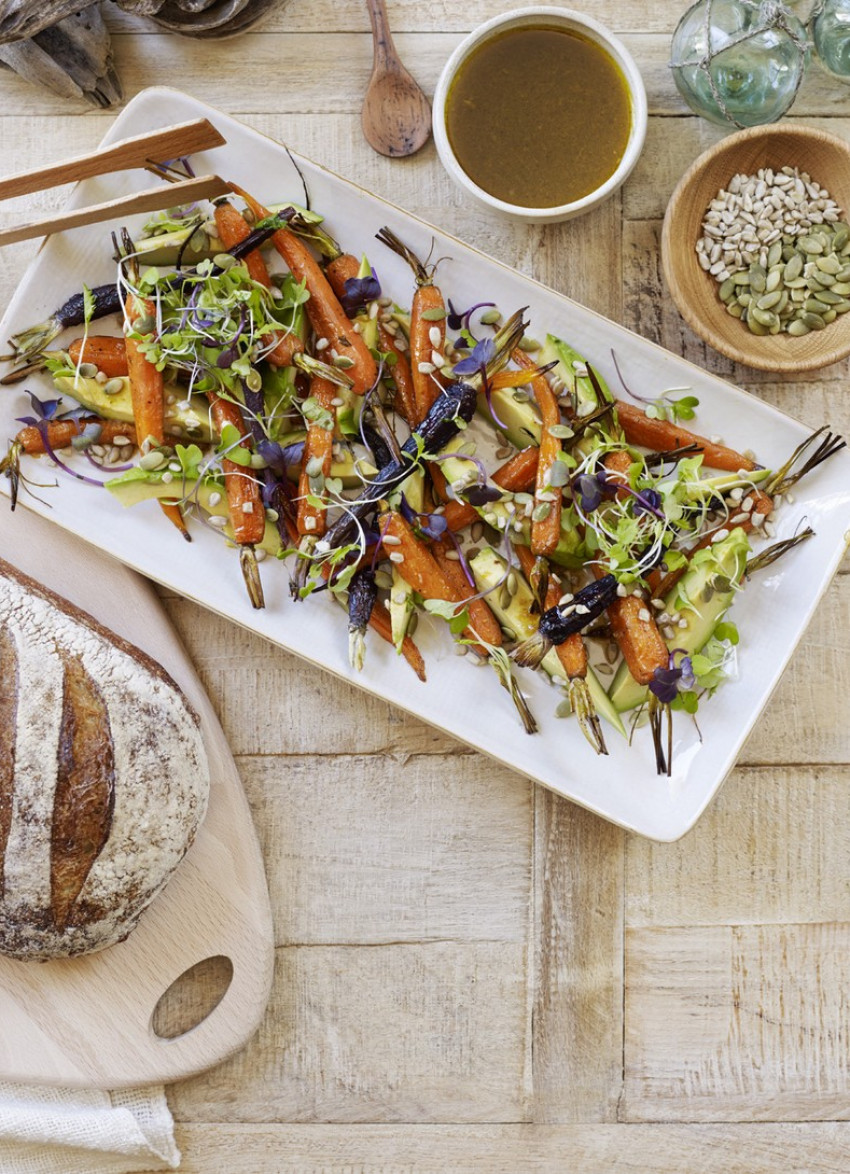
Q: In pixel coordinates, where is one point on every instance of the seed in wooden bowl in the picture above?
(777, 247)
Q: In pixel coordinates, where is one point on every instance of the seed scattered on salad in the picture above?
(425, 460)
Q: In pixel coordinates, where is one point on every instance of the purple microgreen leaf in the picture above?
(481, 494)
(359, 292)
(665, 684)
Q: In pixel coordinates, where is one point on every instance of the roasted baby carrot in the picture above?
(427, 327)
(318, 454)
(233, 228)
(380, 621)
(636, 632)
(572, 653)
(417, 564)
(339, 270)
(60, 433)
(663, 436)
(405, 395)
(244, 500)
(326, 315)
(147, 396)
(481, 619)
(108, 353)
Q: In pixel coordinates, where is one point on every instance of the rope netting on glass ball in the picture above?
(740, 61)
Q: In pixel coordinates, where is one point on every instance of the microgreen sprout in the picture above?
(663, 407)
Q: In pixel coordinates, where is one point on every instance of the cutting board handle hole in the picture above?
(192, 997)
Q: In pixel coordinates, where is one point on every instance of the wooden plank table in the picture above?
(473, 974)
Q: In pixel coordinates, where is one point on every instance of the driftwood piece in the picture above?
(72, 58)
(24, 19)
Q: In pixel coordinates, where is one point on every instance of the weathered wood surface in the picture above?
(474, 975)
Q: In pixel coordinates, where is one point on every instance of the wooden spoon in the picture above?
(396, 114)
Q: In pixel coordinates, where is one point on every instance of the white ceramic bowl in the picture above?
(557, 18)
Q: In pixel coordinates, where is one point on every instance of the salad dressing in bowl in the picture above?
(539, 116)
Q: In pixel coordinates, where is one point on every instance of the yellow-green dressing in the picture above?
(539, 116)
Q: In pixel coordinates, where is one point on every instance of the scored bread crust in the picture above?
(103, 782)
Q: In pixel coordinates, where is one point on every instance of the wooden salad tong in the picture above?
(149, 151)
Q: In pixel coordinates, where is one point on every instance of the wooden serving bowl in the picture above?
(827, 160)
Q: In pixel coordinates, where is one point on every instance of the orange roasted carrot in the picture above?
(244, 500)
(481, 618)
(60, 433)
(108, 354)
(233, 228)
(427, 339)
(380, 621)
(405, 396)
(147, 396)
(318, 446)
(636, 632)
(427, 327)
(661, 436)
(339, 270)
(515, 475)
(572, 653)
(417, 565)
(619, 462)
(326, 315)
(546, 528)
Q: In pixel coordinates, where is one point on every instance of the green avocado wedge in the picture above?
(701, 597)
(489, 570)
(181, 419)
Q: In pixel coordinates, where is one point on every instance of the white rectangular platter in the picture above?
(772, 613)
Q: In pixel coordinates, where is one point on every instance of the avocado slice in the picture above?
(402, 607)
(488, 569)
(568, 363)
(517, 419)
(187, 245)
(138, 485)
(192, 422)
(698, 601)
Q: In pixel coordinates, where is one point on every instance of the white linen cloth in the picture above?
(82, 1131)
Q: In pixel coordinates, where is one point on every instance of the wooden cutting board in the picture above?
(88, 1021)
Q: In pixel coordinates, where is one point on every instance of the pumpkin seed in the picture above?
(774, 254)
(758, 278)
(151, 460)
(813, 321)
(768, 300)
(829, 316)
(828, 297)
(825, 278)
(840, 237)
(841, 307)
(841, 287)
(797, 328)
(829, 264)
(113, 386)
(815, 306)
(756, 327)
(764, 317)
(810, 245)
(773, 279)
(726, 290)
(737, 310)
(794, 268)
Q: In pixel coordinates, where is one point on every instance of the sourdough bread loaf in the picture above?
(103, 777)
